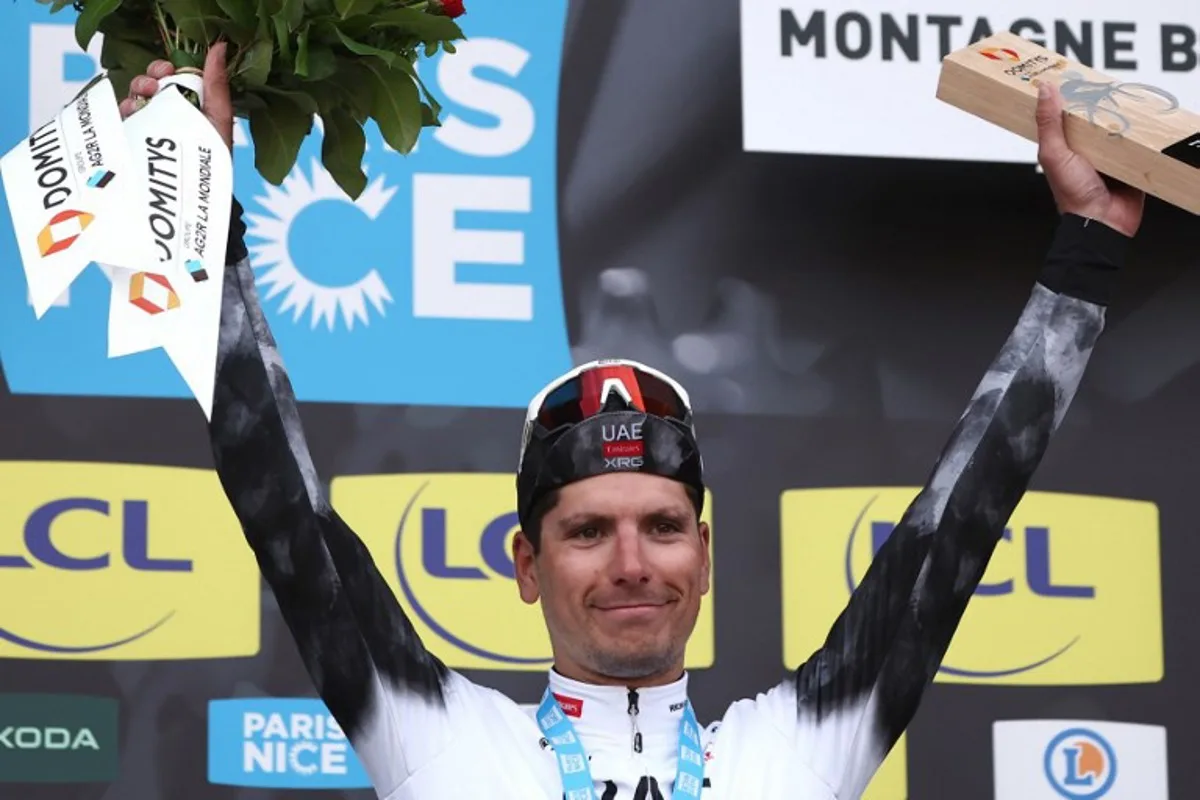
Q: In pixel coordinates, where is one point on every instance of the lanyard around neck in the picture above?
(573, 761)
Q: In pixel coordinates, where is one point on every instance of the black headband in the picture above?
(612, 441)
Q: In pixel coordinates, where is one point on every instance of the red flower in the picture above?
(449, 8)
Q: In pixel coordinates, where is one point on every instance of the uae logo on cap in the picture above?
(629, 449)
(623, 445)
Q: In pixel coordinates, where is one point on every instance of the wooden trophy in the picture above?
(1133, 132)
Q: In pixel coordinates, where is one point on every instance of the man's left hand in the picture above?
(1077, 187)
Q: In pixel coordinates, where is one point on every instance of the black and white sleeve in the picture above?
(856, 695)
(366, 661)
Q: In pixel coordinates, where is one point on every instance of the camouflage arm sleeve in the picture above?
(857, 694)
(362, 653)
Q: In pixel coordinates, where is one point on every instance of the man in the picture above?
(609, 492)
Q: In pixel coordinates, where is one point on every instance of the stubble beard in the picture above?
(633, 664)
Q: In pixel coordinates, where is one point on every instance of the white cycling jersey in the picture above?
(423, 731)
(479, 743)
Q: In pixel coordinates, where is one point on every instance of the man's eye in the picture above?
(666, 527)
(587, 533)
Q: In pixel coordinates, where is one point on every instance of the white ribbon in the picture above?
(68, 186)
(172, 298)
(149, 201)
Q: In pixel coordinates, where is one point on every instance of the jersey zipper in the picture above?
(635, 735)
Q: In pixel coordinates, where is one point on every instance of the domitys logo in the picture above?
(65, 227)
(62, 230)
(152, 293)
(1000, 54)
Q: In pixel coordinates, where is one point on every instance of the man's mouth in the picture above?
(632, 609)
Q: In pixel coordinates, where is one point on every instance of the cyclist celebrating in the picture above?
(610, 489)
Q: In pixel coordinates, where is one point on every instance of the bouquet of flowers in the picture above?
(347, 61)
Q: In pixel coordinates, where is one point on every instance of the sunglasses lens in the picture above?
(572, 402)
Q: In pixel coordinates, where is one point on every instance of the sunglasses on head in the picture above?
(608, 385)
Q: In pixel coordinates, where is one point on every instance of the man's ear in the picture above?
(706, 570)
(523, 561)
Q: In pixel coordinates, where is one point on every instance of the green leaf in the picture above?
(241, 12)
(328, 95)
(293, 13)
(120, 80)
(301, 100)
(342, 151)
(267, 9)
(182, 58)
(90, 18)
(436, 107)
(120, 54)
(322, 63)
(358, 48)
(246, 102)
(198, 20)
(203, 29)
(396, 40)
(354, 8)
(278, 130)
(302, 52)
(429, 117)
(127, 25)
(255, 64)
(281, 36)
(235, 34)
(426, 27)
(395, 106)
(356, 82)
(329, 29)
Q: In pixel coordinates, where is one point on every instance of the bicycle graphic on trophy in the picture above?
(1101, 100)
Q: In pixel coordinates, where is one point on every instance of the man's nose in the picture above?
(629, 563)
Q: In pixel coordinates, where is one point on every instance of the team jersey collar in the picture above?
(604, 711)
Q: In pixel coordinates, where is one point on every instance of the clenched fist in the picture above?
(217, 105)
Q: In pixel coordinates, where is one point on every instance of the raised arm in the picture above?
(366, 661)
(385, 689)
(856, 695)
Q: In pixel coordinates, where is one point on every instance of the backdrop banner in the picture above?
(767, 203)
(870, 68)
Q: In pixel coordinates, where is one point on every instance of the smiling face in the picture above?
(620, 570)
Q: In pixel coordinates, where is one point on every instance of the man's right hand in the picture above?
(217, 105)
